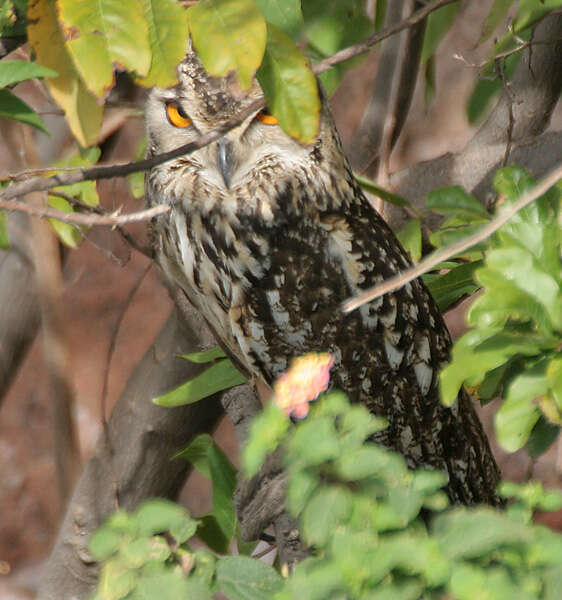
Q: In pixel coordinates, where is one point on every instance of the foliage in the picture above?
(514, 346)
(360, 509)
(146, 555)
(13, 72)
(359, 506)
(84, 193)
(526, 14)
(221, 375)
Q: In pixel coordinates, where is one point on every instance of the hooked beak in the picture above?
(226, 160)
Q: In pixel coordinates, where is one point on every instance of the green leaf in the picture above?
(370, 186)
(102, 35)
(15, 71)
(205, 356)
(314, 442)
(411, 239)
(471, 534)
(12, 18)
(409, 589)
(104, 543)
(503, 300)
(331, 25)
(554, 378)
(526, 275)
(116, 580)
(4, 236)
(302, 484)
(479, 351)
(158, 515)
(197, 453)
(438, 24)
(243, 578)
(286, 15)
(229, 35)
(468, 582)
(497, 14)
(290, 87)
(488, 86)
(266, 431)
(211, 534)
(532, 11)
(11, 107)
(370, 461)
(136, 180)
(85, 191)
(450, 288)
(136, 553)
(168, 40)
(543, 435)
(166, 586)
(220, 376)
(380, 13)
(69, 233)
(211, 461)
(329, 507)
(519, 413)
(456, 202)
(553, 583)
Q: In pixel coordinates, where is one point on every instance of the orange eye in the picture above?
(266, 117)
(176, 116)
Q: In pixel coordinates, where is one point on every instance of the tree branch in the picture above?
(135, 461)
(371, 41)
(19, 306)
(535, 86)
(46, 212)
(391, 94)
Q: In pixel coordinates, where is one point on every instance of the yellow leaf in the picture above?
(83, 113)
(101, 35)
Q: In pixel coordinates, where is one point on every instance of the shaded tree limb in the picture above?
(49, 285)
(134, 461)
(536, 86)
(371, 41)
(19, 306)
(391, 94)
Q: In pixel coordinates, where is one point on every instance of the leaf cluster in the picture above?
(375, 528)
(145, 555)
(513, 348)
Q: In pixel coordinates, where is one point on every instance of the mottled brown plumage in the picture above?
(268, 237)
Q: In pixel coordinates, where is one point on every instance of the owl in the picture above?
(267, 237)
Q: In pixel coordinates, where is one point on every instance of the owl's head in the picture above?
(200, 103)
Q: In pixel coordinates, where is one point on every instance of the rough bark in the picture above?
(134, 462)
(391, 94)
(532, 94)
(19, 306)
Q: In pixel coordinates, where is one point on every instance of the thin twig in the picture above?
(121, 170)
(367, 44)
(429, 263)
(500, 70)
(81, 219)
(127, 237)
